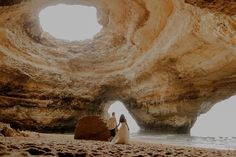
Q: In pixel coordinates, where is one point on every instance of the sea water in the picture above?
(226, 143)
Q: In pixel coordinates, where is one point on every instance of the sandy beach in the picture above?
(62, 145)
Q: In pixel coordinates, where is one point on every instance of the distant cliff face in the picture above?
(168, 61)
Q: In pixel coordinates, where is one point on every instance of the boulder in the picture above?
(91, 128)
(8, 132)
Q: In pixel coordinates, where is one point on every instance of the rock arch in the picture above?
(167, 60)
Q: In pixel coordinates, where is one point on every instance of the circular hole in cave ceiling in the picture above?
(70, 22)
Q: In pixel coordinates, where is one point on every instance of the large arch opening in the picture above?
(218, 122)
(70, 22)
(119, 108)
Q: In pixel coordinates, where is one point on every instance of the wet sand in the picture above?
(65, 146)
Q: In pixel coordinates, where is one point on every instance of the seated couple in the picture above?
(120, 135)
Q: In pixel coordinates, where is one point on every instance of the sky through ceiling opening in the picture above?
(70, 22)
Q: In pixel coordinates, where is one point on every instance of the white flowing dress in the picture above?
(122, 136)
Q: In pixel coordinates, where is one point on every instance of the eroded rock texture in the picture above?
(168, 61)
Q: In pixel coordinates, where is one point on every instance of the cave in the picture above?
(168, 61)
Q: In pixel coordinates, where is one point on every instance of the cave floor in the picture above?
(63, 145)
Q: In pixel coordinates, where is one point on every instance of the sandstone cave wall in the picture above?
(168, 61)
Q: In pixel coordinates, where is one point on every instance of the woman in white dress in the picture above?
(122, 136)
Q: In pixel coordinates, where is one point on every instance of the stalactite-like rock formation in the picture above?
(168, 61)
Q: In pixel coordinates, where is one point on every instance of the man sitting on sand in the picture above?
(112, 124)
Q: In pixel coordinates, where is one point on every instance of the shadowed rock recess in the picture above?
(168, 61)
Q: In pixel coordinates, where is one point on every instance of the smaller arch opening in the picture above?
(218, 122)
(119, 108)
(70, 22)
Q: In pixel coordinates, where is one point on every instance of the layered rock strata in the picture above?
(168, 61)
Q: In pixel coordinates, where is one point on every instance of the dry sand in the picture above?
(65, 146)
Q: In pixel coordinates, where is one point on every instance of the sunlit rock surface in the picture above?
(168, 61)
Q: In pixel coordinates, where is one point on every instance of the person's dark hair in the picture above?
(122, 118)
